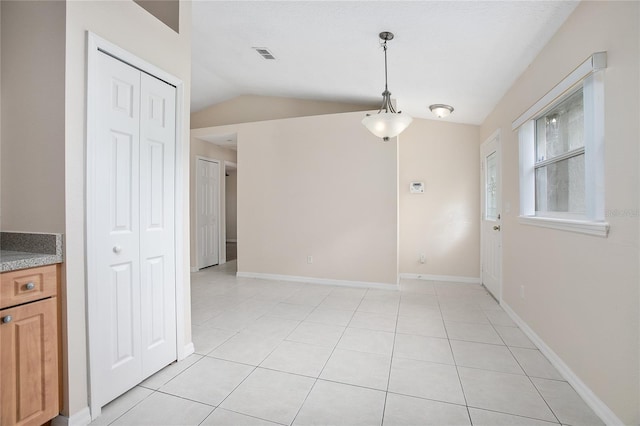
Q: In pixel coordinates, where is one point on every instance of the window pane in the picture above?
(560, 186)
(561, 129)
(490, 188)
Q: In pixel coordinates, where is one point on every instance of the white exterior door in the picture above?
(208, 212)
(491, 225)
(130, 241)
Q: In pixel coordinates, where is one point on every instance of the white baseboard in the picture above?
(194, 269)
(600, 408)
(188, 349)
(322, 281)
(449, 278)
(230, 240)
(81, 418)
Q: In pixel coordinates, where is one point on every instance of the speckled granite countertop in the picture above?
(20, 250)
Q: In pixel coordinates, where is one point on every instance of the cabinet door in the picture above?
(29, 357)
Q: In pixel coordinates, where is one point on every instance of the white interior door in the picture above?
(157, 223)
(130, 244)
(208, 212)
(491, 232)
(116, 241)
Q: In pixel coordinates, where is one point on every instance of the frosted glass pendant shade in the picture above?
(387, 125)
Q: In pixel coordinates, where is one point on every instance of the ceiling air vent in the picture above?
(264, 52)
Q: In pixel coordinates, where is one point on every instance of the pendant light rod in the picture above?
(387, 106)
(384, 47)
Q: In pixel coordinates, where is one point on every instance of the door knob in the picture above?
(117, 249)
(496, 227)
(7, 319)
(30, 286)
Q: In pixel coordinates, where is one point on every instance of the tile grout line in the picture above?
(533, 384)
(254, 369)
(526, 375)
(518, 415)
(131, 408)
(236, 387)
(327, 361)
(277, 346)
(290, 333)
(235, 333)
(483, 369)
(242, 414)
(453, 355)
(393, 348)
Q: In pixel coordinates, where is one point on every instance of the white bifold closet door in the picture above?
(132, 238)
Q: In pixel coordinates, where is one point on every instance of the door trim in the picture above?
(494, 136)
(224, 241)
(221, 252)
(94, 45)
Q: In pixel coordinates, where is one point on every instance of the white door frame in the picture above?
(221, 252)
(94, 45)
(494, 136)
(235, 166)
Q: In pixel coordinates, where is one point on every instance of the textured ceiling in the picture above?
(462, 53)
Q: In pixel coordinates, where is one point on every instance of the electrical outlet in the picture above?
(423, 258)
(521, 292)
(309, 259)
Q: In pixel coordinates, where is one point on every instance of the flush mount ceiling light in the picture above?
(441, 110)
(387, 123)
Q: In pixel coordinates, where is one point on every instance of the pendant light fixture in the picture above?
(387, 123)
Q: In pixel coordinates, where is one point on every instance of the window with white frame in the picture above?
(562, 154)
(559, 159)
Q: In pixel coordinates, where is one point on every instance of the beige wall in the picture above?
(582, 291)
(127, 25)
(201, 148)
(250, 108)
(231, 202)
(32, 138)
(285, 155)
(444, 222)
(318, 186)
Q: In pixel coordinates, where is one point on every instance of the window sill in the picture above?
(598, 229)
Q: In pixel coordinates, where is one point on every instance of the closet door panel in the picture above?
(157, 230)
(115, 230)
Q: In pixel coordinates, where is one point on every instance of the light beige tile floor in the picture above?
(270, 352)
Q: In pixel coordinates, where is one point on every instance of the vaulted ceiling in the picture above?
(462, 53)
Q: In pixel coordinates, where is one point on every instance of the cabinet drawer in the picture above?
(27, 285)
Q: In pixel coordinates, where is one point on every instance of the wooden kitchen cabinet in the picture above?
(29, 348)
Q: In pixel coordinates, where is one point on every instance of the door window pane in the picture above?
(491, 181)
